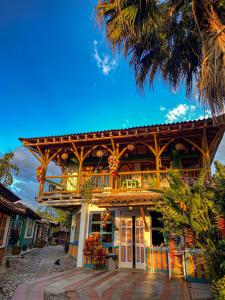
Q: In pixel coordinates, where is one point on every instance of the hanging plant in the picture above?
(113, 164)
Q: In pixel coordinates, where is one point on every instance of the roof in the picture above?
(145, 128)
(28, 211)
(9, 195)
(10, 207)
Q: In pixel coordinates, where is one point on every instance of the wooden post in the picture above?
(206, 156)
(80, 169)
(144, 219)
(157, 157)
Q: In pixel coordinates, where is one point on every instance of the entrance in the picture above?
(132, 249)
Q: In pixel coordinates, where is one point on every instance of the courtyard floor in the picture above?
(37, 277)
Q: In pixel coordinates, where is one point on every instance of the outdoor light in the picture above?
(64, 156)
(100, 153)
(130, 208)
(130, 147)
(179, 146)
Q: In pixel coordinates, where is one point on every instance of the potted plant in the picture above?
(14, 238)
(94, 251)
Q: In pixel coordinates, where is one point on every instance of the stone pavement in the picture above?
(23, 267)
(90, 285)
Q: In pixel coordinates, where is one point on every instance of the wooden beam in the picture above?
(112, 219)
(193, 144)
(144, 219)
(53, 156)
(34, 154)
(76, 151)
(216, 139)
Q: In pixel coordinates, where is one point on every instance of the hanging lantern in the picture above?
(100, 153)
(130, 147)
(179, 146)
(64, 156)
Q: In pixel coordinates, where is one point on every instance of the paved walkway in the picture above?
(90, 285)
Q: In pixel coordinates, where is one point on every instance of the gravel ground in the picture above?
(23, 269)
(65, 263)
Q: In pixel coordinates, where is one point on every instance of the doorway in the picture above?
(132, 248)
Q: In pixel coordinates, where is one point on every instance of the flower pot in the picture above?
(16, 250)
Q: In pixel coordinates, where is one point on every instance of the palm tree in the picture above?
(191, 211)
(182, 40)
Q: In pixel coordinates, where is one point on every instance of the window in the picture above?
(104, 229)
(3, 221)
(77, 227)
(30, 227)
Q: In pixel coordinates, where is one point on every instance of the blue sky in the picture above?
(58, 75)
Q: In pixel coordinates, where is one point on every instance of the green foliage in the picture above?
(219, 179)
(218, 289)
(7, 169)
(47, 213)
(182, 40)
(55, 215)
(194, 209)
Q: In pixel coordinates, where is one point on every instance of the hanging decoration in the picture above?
(40, 172)
(130, 147)
(179, 146)
(64, 156)
(105, 218)
(100, 153)
(172, 251)
(113, 164)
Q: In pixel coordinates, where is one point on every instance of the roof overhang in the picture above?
(125, 199)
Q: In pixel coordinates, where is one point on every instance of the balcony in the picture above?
(66, 187)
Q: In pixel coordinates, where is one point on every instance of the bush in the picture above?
(94, 251)
(218, 289)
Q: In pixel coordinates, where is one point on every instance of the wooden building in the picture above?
(8, 209)
(111, 174)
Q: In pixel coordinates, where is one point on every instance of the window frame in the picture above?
(32, 229)
(102, 232)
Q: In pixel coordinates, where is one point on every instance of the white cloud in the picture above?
(178, 113)
(104, 62)
(25, 183)
(162, 108)
(184, 112)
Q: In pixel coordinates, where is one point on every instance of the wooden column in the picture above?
(157, 159)
(206, 156)
(144, 219)
(80, 169)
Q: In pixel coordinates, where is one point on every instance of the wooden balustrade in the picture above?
(105, 183)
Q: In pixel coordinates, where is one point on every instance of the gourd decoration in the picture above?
(105, 218)
(113, 164)
(40, 172)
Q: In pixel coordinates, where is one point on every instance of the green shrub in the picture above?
(218, 289)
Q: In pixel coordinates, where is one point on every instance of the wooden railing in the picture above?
(105, 183)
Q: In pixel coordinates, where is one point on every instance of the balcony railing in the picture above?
(105, 183)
